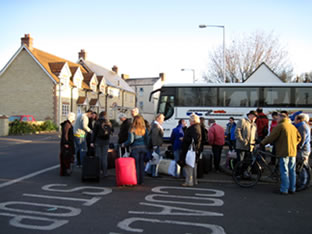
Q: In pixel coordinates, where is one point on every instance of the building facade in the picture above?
(143, 88)
(118, 97)
(49, 87)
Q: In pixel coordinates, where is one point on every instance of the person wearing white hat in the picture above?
(67, 145)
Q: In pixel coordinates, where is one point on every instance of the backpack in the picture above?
(104, 130)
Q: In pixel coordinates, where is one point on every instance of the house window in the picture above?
(79, 110)
(141, 92)
(141, 105)
(65, 109)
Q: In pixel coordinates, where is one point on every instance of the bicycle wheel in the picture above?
(303, 176)
(246, 174)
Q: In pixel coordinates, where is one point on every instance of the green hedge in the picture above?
(17, 128)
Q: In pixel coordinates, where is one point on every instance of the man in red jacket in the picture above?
(262, 123)
(216, 140)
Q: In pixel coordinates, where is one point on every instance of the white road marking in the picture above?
(86, 202)
(102, 190)
(168, 210)
(125, 224)
(72, 211)
(28, 176)
(212, 192)
(212, 201)
(16, 221)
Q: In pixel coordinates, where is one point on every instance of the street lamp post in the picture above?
(190, 69)
(60, 104)
(223, 27)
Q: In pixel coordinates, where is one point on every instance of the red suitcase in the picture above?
(125, 171)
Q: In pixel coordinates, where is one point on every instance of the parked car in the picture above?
(24, 118)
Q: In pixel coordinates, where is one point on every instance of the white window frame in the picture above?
(141, 91)
(141, 105)
(65, 109)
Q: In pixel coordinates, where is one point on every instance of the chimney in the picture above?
(124, 76)
(82, 54)
(162, 77)
(115, 69)
(27, 40)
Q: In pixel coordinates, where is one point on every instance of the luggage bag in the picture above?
(168, 167)
(200, 168)
(125, 171)
(207, 162)
(112, 155)
(90, 168)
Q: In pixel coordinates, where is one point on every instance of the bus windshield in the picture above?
(166, 103)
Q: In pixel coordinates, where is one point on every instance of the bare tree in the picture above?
(304, 77)
(243, 56)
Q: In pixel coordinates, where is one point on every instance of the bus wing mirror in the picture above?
(155, 91)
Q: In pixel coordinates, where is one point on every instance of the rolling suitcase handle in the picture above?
(125, 155)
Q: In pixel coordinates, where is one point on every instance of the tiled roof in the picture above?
(85, 86)
(56, 68)
(99, 78)
(73, 69)
(112, 79)
(81, 100)
(93, 102)
(52, 63)
(87, 77)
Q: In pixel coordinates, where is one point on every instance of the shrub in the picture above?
(48, 125)
(18, 127)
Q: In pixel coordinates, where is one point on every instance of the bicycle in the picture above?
(247, 173)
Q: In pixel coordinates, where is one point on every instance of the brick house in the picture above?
(30, 81)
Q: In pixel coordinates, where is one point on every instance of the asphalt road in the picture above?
(35, 199)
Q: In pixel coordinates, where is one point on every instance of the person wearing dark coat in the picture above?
(100, 140)
(67, 145)
(91, 124)
(192, 133)
(204, 133)
(156, 135)
(123, 132)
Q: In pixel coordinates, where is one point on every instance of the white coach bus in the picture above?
(222, 101)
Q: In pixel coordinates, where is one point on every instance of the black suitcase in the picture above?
(200, 168)
(207, 162)
(90, 168)
(111, 157)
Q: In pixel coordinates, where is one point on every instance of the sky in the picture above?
(144, 38)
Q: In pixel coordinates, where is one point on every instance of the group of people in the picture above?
(290, 141)
(90, 135)
(142, 141)
(197, 135)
